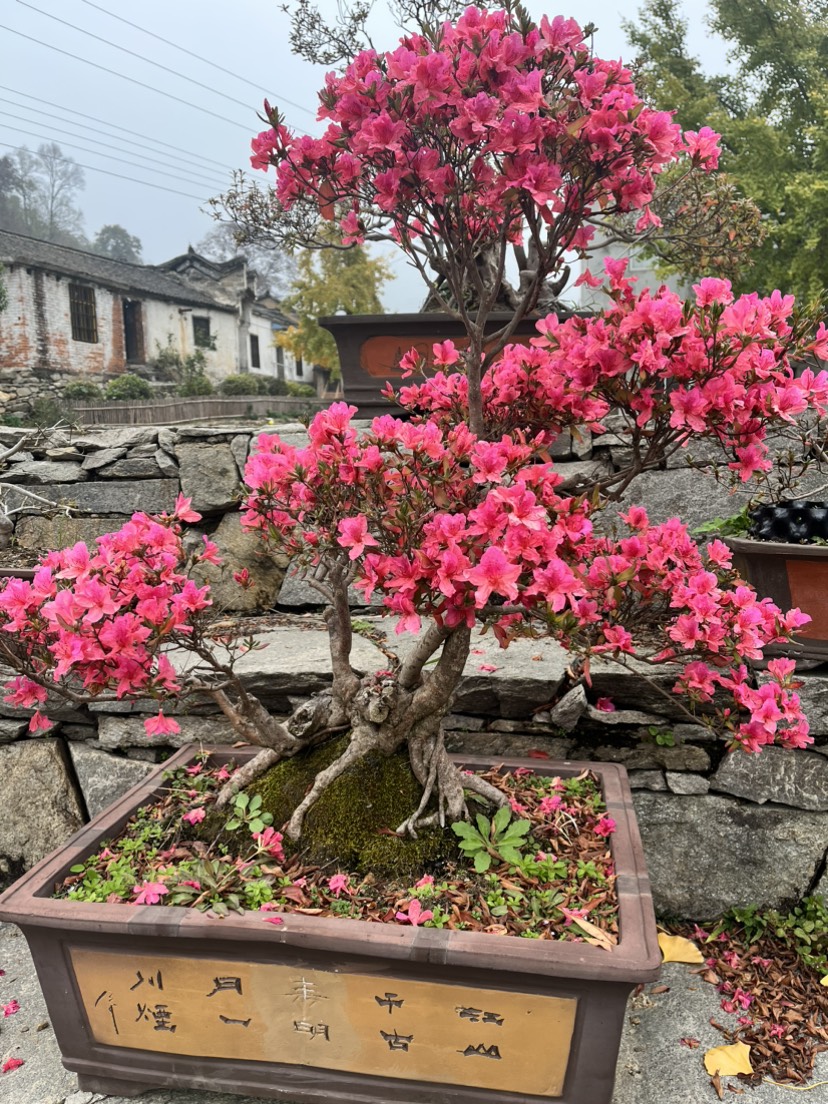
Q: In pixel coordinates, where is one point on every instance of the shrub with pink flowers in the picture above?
(461, 142)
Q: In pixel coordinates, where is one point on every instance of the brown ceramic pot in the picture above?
(332, 1010)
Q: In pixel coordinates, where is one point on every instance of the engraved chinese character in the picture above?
(315, 1031)
(305, 990)
(389, 1001)
(223, 984)
(110, 1007)
(155, 981)
(481, 1051)
(477, 1015)
(395, 1041)
(228, 1020)
(159, 1013)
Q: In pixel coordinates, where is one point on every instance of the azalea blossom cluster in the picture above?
(489, 122)
(454, 529)
(715, 366)
(100, 622)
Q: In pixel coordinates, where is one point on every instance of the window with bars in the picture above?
(255, 360)
(202, 338)
(83, 313)
(300, 368)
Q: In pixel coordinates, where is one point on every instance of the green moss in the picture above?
(345, 826)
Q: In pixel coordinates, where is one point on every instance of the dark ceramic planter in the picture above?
(370, 347)
(329, 1010)
(791, 575)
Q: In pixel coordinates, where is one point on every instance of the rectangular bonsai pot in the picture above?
(791, 575)
(332, 1010)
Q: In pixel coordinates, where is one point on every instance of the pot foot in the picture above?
(111, 1086)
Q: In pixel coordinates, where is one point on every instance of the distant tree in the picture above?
(39, 193)
(276, 268)
(330, 281)
(772, 112)
(114, 241)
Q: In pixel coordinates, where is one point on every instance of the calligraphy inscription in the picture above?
(380, 1025)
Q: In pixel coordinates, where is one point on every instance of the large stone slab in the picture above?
(782, 775)
(708, 854)
(115, 437)
(813, 694)
(61, 531)
(240, 550)
(101, 457)
(40, 472)
(153, 496)
(132, 467)
(209, 475)
(40, 808)
(103, 777)
(118, 731)
(692, 495)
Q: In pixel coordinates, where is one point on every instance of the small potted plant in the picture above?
(457, 519)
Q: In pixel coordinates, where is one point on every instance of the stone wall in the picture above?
(719, 829)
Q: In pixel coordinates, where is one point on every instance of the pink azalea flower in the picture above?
(149, 893)
(355, 536)
(10, 1008)
(605, 826)
(194, 816)
(270, 841)
(161, 725)
(339, 883)
(605, 705)
(11, 1064)
(426, 880)
(415, 915)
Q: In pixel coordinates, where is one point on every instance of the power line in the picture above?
(120, 176)
(114, 126)
(198, 57)
(123, 76)
(132, 53)
(98, 142)
(96, 153)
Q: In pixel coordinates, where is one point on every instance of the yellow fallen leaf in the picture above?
(728, 1060)
(824, 981)
(596, 936)
(675, 948)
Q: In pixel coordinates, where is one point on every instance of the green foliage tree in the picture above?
(330, 281)
(38, 195)
(772, 111)
(114, 241)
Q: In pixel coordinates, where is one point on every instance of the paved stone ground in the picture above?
(653, 1067)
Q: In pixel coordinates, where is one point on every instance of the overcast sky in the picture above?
(106, 122)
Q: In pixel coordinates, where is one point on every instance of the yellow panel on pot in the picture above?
(362, 1023)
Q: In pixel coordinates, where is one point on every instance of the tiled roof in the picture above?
(138, 280)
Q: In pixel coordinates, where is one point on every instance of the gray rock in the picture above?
(688, 784)
(498, 745)
(61, 531)
(103, 777)
(636, 686)
(578, 474)
(101, 457)
(87, 732)
(782, 775)
(40, 805)
(132, 467)
(11, 729)
(651, 756)
(708, 854)
(143, 450)
(208, 474)
(813, 694)
(296, 592)
(240, 549)
(118, 731)
(167, 439)
(153, 497)
(65, 452)
(561, 447)
(568, 711)
(694, 496)
(622, 718)
(647, 780)
(240, 447)
(463, 723)
(116, 437)
(20, 457)
(692, 733)
(525, 726)
(43, 472)
(166, 464)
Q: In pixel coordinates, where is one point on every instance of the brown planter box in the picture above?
(791, 575)
(326, 1010)
(370, 347)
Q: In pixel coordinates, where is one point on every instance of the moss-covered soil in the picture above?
(540, 868)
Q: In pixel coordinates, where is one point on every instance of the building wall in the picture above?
(168, 321)
(642, 268)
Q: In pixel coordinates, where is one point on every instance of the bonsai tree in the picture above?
(461, 141)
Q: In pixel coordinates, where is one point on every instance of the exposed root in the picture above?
(410, 824)
(242, 777)
(485, 789)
